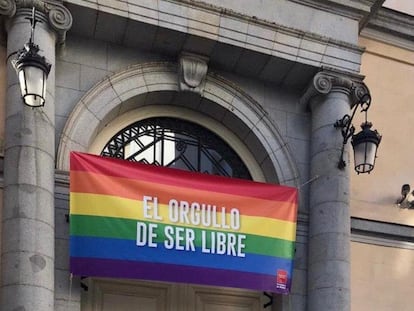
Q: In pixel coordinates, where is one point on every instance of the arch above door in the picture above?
(233, 115)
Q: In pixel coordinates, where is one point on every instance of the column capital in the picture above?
(59, 17)
(327, 81)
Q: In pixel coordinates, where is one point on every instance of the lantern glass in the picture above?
(365, 144)
(364, 157)
(33, 85)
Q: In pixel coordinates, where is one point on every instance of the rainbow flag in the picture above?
(132, 220)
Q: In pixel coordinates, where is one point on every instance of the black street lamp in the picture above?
(32, 70)
(364, 143)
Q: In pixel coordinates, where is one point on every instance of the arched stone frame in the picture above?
(152, 84)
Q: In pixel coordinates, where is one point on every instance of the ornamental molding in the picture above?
(58, 16)
(393, 23)
(327, 81)
(192, 72)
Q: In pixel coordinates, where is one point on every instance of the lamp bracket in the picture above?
(345, 124)
(33, 21)
(347, 129)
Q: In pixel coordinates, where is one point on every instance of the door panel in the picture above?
(114, 295)
(223, 299)
(120, 295)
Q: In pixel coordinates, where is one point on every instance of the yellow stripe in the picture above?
(111, 206)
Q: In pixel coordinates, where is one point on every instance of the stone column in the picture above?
(27, 262)
(329, 97)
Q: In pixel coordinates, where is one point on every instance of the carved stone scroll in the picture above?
(192, 72)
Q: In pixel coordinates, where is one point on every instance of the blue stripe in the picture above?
(118, 249)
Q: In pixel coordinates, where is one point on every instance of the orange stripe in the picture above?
(84, 182)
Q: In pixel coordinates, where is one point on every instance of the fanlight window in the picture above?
(178, 144)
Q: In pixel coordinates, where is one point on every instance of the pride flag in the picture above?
(132, 220)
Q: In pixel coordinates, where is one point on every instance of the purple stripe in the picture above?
(175, 273)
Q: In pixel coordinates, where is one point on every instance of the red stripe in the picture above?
(180, 178)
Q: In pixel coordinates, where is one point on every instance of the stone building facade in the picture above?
(270, 78)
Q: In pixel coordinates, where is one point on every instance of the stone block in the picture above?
(28, 201)
(235, 124)
(118, 5)
(342, 64)
(288, 174)
(298, 126)
(20, 297)
(132, 103)
(109, 27)
(338, 186)
(144, 15)
(299, 281)
(257, 147)
(253, 113)
(232, 31)
(27, 238)
(330, 274)
(329, 217)
(59, 125)
(299, 149)
(14, 101)
(139, 35)
(214, 111)
(67, 288)
(173, 22)
(33, 167)
(279, 119)
(203, 24)
(67, 75)
(329, 247)
(301, 257)
(101, 100)
(67, 145)
(268, 168)
(218, 95)
(154, 78)
(329, 299)
(62, 253)
(290, 41)
(86, 52)
(67, 305)
(66, 100)
(61, 224)
(85, 129)
(130, 86)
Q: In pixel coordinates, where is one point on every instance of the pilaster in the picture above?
(28, 244)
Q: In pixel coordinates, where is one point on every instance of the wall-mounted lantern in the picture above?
(407, 198)
(32, 70)
(364, 143)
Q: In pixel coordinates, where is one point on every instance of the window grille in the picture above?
(178, 144)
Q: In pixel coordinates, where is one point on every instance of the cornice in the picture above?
(382, 233)
(393, 23)
(355, 9)
(58, 16)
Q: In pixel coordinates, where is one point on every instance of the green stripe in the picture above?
(121, 228)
